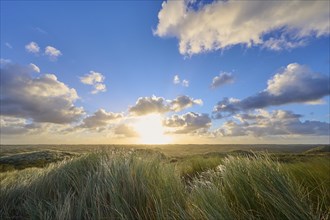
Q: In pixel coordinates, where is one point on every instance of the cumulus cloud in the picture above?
(294, 84)
(183, 102)
(177, 81)
(32, 47)
(99, 119)
(221, 24)
(153, 104)
(188, 123)
(52, 53)
(278, 122)
(147, 105)
(40, 99)
(124, 130)
(222, 79)
(96, 80)
(34, 68)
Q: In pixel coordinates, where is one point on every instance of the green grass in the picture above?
(139, 184)
(32, 159)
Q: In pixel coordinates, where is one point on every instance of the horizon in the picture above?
(165, 73)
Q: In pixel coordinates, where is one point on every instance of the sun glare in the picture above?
(151, 130)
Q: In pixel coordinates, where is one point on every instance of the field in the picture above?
(165, 182)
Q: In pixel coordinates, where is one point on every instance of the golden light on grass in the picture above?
(151, 130)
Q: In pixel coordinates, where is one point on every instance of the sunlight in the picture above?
(151, 130)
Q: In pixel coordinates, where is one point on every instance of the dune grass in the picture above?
(135, 184)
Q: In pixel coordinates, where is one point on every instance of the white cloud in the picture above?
(185, 83)
(177, 81)
(99, 120)
(34, 68)
(183, 102)
(221, 24)
(19, 126)
(40, 99)
(222, 79)
(96, 80)
(99, 87)
(32, 47)
(293, 84)
(278, 122)
(52, 53)
(188, 123)
(92, 78)
(283, 44)
(153, 104)
(147, 105)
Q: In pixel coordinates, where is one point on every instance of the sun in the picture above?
(151, 130)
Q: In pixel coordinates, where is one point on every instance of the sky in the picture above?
(153, 72)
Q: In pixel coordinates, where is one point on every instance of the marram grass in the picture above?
(143, 185)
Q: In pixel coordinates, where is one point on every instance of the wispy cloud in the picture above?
(9, 45)
(34, 68)
(40, 30)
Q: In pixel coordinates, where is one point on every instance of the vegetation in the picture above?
(143, 184)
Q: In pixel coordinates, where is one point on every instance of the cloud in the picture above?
(278, 122)
(16, 126)
(32, 47)
(188, 123)
(283, 44)
(294, 84)
(96, 80)
(40, 99)
(124, 130)
(183, 102)
(177, 81)
(4, 62)
(40, 30)
(148, 105)
(185, 83)
(34, 68)
(52, 53)
(9, 45)
(222, 79)
(221, 24)
(99, 119)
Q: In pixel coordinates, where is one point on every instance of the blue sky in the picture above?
(137, 48)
